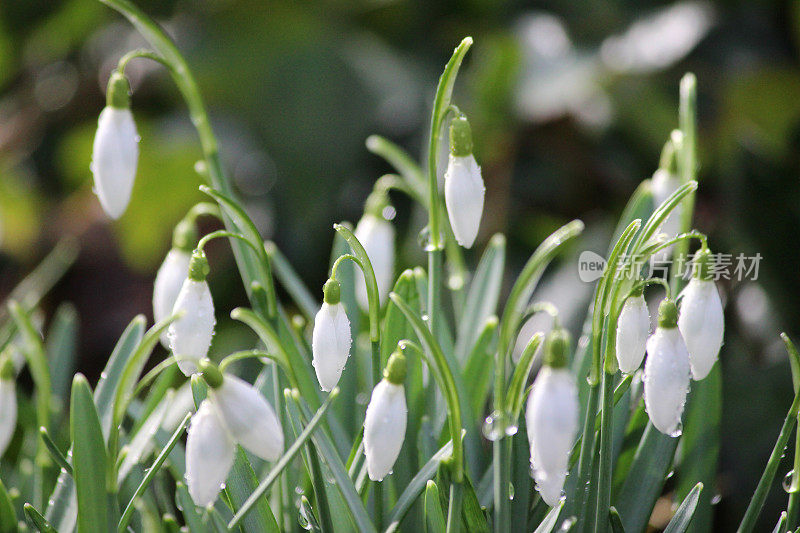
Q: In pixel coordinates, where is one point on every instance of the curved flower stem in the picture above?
(221, 233)
(202, 209)
(372, 297)
(141, 53)
(168, 54)
(248, 354)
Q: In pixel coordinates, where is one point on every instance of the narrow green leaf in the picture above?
(480, 365)
(33, 349)
(36, 519)
(551, 520)
(61, 347)
(151, 472)
(780, 527)
(434, 516)
(327, 451)
(401, 161)
(90, 462)
(481, 302)
(686, 512)
(417, 484)
(191, 515)
(55, 453)
(8, 518)
(615, 521)
(292, 282)
(645, 478)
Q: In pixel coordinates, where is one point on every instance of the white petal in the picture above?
(463, 194)
(663, 184)
(114, 157)
(666, 380)
(632, 331)
(384, 428)
(377, 237)
(330, 344)
(190, 336)
(552, 422)
(209, 455)
(702, 325)
(169, 280)
(8, 412)
(249, 417)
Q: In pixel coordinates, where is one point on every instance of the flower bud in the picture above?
(667, 373)
(8, 402)
(190, 336)
(330, 343)
(209, 455)
(116, 150)
(385, 422)
(552, 420)
(463, 185)
(376, 235)
(701, 322)
(633, 328)
(169, 280)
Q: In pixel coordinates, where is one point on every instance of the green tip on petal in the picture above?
(332, 292)
(376, 202)
(6, 366)
(395, 371)
(556, 348)
(198, 266)
(668, 314)
(460, 137)
(210, 373)
(118, 93)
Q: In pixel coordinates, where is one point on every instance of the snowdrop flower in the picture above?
(190, 335)
(633, 328)
(701, 321)
(330, 343)
(552, 418)
(385, 422)
(172, 273)
(234, 412)
(463, 185)
(666, 372)
(8, 402)
(116, 150)
(376, 235)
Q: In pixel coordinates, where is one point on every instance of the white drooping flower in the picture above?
(633, 328)
(234, 412)
(385, 421)
(116, 149)
(667, 373)
(190, 335)
(552, 419)
(330, 343)
(463, 185)
(663, 184)
(376, 235)
(701, 322)
(8, 403)
(169, 280)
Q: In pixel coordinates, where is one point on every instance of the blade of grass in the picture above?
(434, 517)
(8, 518)
(292, 282)
(55, 453)
(36, 519)
(686, 512)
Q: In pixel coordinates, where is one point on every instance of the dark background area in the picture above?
(570, 104)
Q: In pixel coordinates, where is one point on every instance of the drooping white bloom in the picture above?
(116, 150)
(663, 184)
(463, 185)
(463, 194)
(234, 412)
(385, 421)
(190, 336)
(702, 325)
(8, 410)
(552, 421)
(330, 343)
(667, 373)
(169, 281)
(633, 328)
(376, 235)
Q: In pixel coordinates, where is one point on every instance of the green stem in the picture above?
(793, 508)
(434, 290)
(606, 427)
(687, 165)
(454, 508)
(140, 53)
(586, 456)
(183, 78)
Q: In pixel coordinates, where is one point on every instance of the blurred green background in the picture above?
(570, 104)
